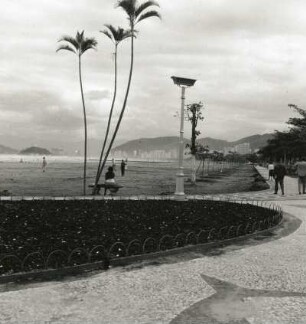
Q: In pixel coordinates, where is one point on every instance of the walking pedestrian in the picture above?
(270, 170)
(123, 164)
(301, 173)
(44, 164)
(279, 174)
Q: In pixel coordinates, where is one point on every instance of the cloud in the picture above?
(97, 94)
(245, 55)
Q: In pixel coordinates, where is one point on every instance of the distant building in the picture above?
(153, 155)
(243, 148)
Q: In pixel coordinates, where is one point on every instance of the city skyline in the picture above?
(245, 56)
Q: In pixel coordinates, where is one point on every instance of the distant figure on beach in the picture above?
(279, 174)
(123, 166)
(109, 177)
(271, 170)
(114, 164)
(44, 164)
(126, 161)
(301, 172)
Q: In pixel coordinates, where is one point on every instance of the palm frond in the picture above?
(149, 14)
(144, 6)
(128, 6)
(111, 32)
(70, 40)
(116, 35)
(67, 48)
(86, 48)
(122, 34)
(106, 33)
(88, 43)
(79, 37)
(112, 29)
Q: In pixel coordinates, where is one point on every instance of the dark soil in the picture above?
(28, 226)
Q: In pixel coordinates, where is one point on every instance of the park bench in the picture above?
(112, 187)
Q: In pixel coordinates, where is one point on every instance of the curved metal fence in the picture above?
(60, 259)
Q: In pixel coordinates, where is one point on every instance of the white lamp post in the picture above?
(183, 83)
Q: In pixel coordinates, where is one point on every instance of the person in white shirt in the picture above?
(301, 172)
(271, 171)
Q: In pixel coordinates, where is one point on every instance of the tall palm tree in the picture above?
(116, 36)
(79, 45)
(136, 13)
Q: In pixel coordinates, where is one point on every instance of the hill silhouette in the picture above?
(34, 150)
(170, 142)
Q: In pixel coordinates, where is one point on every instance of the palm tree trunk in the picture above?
(123, 106)
(98, 175)
(85, 128)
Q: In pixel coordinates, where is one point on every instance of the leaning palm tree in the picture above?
(79, 45)
(116, 36)
(136, 13)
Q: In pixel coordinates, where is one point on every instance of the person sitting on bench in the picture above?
(109, 178)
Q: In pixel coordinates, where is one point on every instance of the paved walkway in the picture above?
(261, 283)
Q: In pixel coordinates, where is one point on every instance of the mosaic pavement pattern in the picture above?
(229, 304)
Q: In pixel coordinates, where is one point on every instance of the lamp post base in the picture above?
(180, 197)
(179, 190)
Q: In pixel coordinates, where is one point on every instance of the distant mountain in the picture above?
(34, 150)
(7, 150)
(159, 148)
(213, 143)
(149, 144)
(169, 144)
(256, 141)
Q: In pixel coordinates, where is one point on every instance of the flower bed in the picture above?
(50, 234)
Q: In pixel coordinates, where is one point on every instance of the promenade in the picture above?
(256, 282)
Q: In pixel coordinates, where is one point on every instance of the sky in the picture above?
(246, 55)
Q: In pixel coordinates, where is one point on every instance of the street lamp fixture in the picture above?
(183, 83)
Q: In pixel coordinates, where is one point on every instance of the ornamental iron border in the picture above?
(60, 259)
